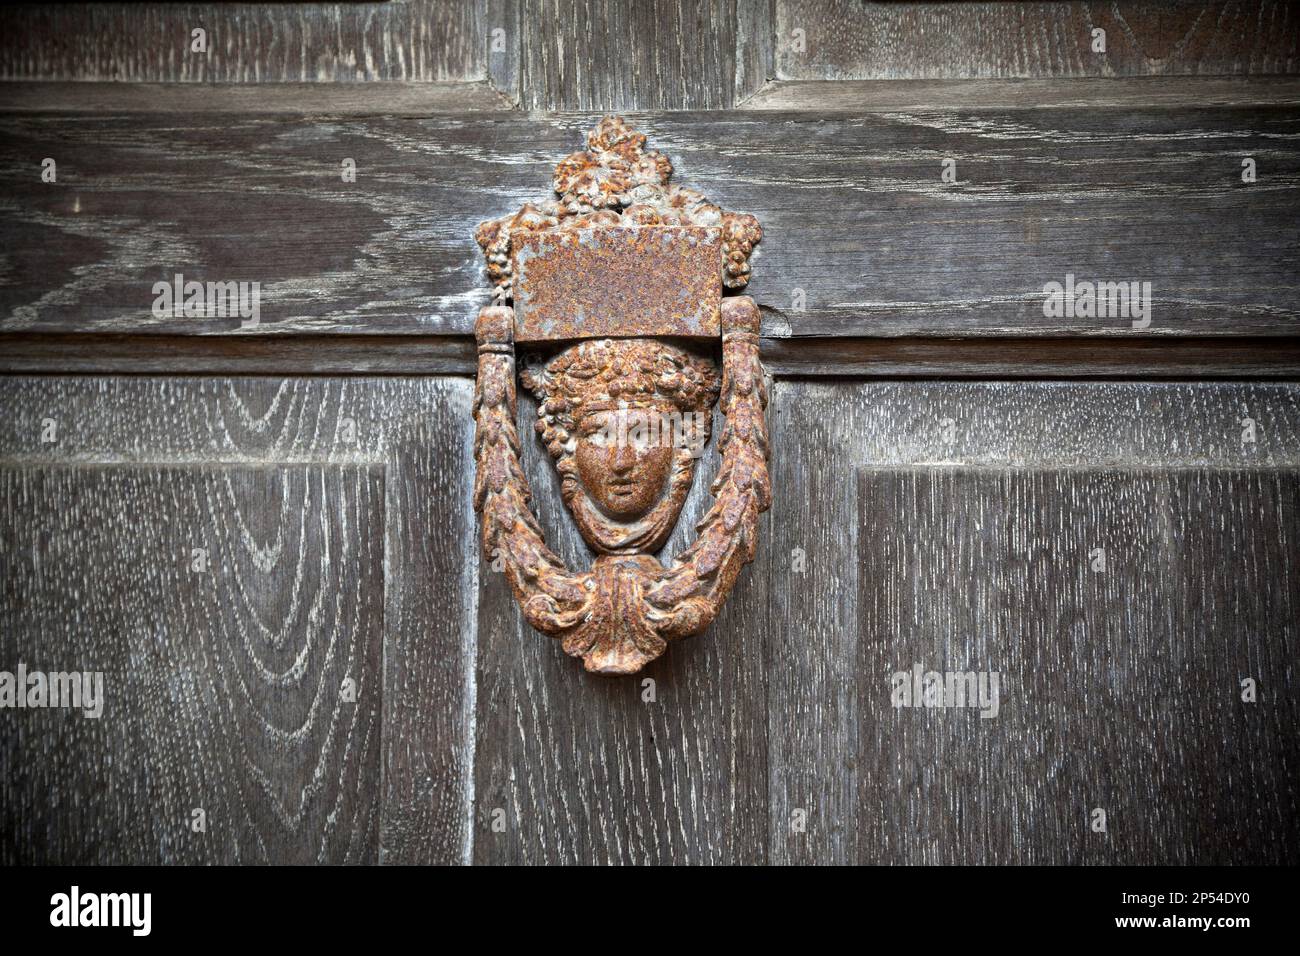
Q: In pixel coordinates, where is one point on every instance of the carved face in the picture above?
(622, 463)
(612, 413)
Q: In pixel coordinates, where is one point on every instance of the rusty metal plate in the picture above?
(617, 281)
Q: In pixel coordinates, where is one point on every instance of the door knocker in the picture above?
(627, 273)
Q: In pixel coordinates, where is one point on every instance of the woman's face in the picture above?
(624, 460)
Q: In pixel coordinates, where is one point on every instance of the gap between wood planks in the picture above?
(406, 355)
(425, 99)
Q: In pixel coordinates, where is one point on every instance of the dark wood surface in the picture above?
(223, 690)
(81, 353)
(1006, 358)
(1020, 358)
(755, 47)
(1094, 94)
(917, 520)
(852, 39)
(330, 560)
(302, 99)
(608, 55)
(584, 768)
(663, 54)
(411, 40)
(1121, 688)
(541, 54)
(1118, 690)
(855, 214)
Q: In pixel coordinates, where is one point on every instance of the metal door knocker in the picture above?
(628, 273)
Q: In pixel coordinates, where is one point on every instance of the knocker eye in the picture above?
(602, 438)
(636, 292)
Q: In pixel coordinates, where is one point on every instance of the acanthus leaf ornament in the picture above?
(620, 258)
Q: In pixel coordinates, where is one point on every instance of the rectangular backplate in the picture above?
(618, 281)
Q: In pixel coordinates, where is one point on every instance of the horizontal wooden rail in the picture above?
(863, 235)
(124, 354)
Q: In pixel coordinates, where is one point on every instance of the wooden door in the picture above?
(259, 531)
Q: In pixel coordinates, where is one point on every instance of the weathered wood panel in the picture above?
(858, 96)
(860, 231)
(414, 40)
(607, 55)
(949, 524)
(429, 623)
(139, 444)
(506, 26)
(589, 54)
(755, 46)
(223, 688)
(578, 768)
(918, 539)
(851, 39)
(301, 99)
(1119, 689)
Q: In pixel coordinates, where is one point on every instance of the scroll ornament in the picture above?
(617, 263)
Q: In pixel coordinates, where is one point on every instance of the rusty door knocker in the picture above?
(619, 264)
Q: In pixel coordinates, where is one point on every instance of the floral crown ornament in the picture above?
(620, 260)
(602, 374)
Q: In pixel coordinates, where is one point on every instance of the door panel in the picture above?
(1119, 681)
(852, 39)
(941, 523)
(952, 525)
(411, 41)
(225, 608)
(335, 506)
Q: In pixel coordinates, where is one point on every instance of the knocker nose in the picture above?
(624, 458)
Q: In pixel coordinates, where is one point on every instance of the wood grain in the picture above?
(912, 545)
(82, 353)
(851, 39)
(854, 212)
(1200, 358)
(301, 99)
(611, 56)
(755, 46)
(1102, 93)
(1118, 690)
(415, 40)
(143, 465)
(506, 16)
(430, 622)
(1007, 358)
(579, 768)
(224, 689)
(964, 553)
